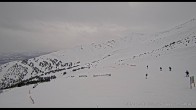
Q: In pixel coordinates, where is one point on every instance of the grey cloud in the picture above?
(33, 26)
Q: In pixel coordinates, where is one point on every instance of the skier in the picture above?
(187, 73)
(146, 75)
(147, 66)
(160, 68)
(170, 68)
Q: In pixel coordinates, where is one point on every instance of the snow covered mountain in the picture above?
(108, 74)
(13, 56)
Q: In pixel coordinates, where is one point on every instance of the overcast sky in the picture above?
(54, 26)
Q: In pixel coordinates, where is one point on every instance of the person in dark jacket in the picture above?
(146, 75)
(187, 73)
(160, 68)
(170, 68)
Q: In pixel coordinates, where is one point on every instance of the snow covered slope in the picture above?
(108, 74)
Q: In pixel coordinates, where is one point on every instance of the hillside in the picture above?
(108, 74)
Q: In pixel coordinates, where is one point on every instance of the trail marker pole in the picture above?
(192, 81)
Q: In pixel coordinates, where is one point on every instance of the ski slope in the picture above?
(111, 74)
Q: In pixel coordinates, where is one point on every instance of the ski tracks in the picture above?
(30, 97)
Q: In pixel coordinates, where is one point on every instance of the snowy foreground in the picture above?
(126, 87)
(118, 80)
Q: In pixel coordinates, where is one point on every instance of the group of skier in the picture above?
(162, 69)
(187, 72)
